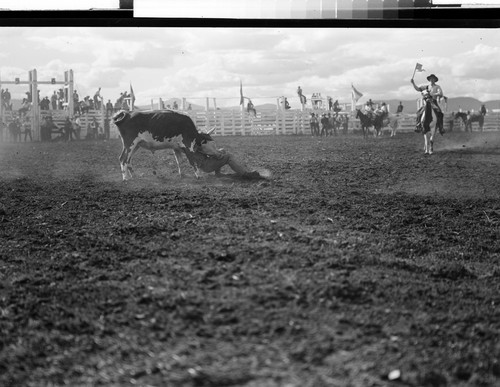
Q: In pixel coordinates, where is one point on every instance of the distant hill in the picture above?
(266, 106)
(171, 103)
(454, 104)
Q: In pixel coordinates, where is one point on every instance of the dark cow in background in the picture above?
(155, 130)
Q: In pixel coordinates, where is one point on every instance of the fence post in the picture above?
(242, 122)
(220, 119)
(36, 103)
(283, 121)
(232, 122)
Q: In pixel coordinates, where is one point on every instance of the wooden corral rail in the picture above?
(293, 122)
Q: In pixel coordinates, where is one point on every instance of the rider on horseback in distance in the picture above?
(430, 93)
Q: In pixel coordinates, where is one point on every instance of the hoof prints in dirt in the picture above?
(351, 263)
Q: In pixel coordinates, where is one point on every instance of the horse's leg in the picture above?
(431, 141)
(432, 133)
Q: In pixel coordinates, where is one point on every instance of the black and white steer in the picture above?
(155, 130)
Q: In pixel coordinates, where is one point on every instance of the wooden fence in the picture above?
(296, 122)
(59, 117)
(266, 122)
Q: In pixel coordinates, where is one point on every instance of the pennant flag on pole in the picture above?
(419, 68)
(355, 93)
(242, 99)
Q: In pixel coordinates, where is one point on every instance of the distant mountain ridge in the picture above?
(454, 104)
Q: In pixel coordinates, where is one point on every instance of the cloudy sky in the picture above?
(209, 62)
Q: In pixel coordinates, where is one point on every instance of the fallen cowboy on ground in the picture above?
(205, 156)
(157, 130)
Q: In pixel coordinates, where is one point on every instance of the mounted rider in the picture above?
(382, 110)
(432, 94)
(369, 109)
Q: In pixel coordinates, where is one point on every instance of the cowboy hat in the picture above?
(432, 76)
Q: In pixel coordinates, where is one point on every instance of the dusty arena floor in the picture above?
(359, 263)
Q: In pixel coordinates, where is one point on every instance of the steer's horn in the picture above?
(211, 130)
(120, 116)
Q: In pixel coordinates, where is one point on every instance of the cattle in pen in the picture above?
(157, 130)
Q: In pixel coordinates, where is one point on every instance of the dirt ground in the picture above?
(358, 263)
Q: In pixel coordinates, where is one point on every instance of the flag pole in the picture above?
(414, 71)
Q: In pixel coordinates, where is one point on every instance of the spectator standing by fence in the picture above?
(60, 99)
(95, 128)
(109, 107)
(324, 125)
(332, 123)
(68, 130)
(27, 129)
(44, 130)
(53, 100)
(77, 127)
(400, 108)
(45, 103)
(15, 130)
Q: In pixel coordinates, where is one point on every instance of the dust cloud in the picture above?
(471, 141)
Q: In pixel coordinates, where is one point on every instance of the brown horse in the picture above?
(365, 121)
(468, 119)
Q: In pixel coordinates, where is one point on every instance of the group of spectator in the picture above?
(335, 106)
(330, 123)
(71, 129)
(58, 101)
(15, 129)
